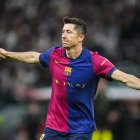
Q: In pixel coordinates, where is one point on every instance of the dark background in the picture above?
(35, 25)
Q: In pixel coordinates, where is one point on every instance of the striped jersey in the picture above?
(74, 84)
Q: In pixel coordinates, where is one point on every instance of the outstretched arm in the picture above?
(27, 57)
(128, 79)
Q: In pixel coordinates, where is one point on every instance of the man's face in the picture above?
(70, 37)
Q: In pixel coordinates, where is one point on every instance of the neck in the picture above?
(74, 52)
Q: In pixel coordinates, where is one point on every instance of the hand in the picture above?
(2, 53)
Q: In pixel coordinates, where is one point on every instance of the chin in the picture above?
(65, 46)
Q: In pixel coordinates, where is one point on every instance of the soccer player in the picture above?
(75, 73)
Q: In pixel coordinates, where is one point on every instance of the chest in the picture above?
(75, 73)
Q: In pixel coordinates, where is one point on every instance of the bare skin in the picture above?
(72, 42)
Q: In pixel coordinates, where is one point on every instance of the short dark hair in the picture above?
(80, 25)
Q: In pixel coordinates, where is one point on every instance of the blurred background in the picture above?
(35, 25)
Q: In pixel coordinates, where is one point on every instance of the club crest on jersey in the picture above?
(68, 71)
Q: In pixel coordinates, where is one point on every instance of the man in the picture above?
(75, 74)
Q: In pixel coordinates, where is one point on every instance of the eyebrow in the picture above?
(67, 30)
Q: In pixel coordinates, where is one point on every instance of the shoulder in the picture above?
(58, 48)
(99, 60)
(46, 56)
(52, 49)
(96, 57)
(95, 54)
(57, 51)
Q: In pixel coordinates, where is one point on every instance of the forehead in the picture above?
(69, 27)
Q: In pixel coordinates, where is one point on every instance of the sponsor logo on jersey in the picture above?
(65, 83)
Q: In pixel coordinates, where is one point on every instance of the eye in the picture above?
(69, 32)
(66, 31)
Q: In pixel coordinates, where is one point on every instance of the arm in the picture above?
(128, 79)
(27, 57)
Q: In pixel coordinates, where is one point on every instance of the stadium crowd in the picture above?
(113, 30)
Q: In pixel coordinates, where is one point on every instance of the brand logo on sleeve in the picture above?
(67, 71)
(56, 62)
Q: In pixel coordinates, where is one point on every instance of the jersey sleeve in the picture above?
(102, 66)
(44, 58)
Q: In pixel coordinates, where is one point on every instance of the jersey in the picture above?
(74, 84)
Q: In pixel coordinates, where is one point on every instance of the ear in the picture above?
(81, 37)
